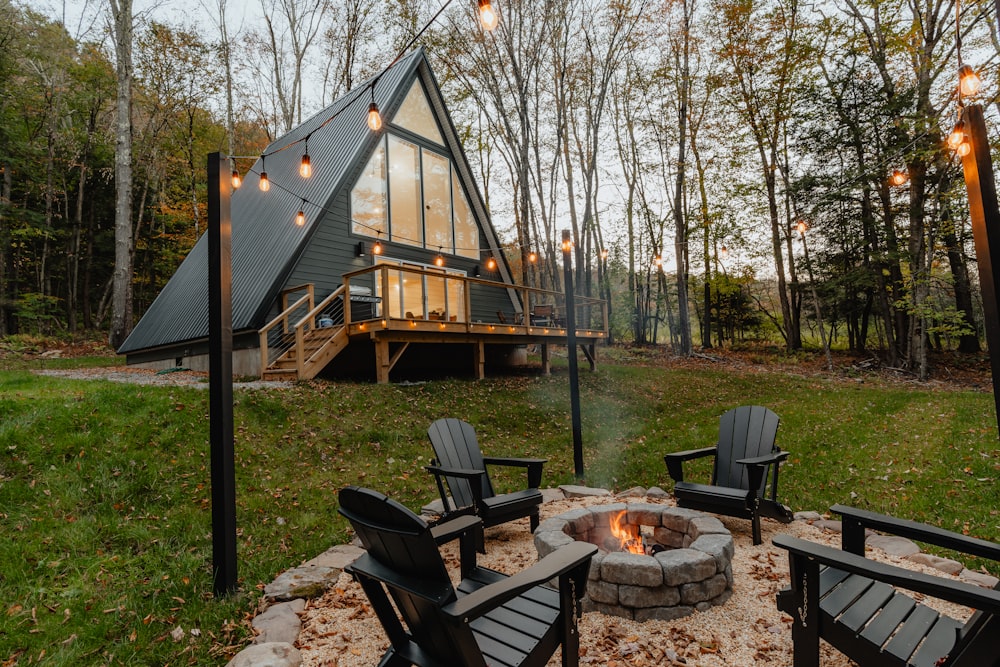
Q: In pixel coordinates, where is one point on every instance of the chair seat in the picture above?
(525, 622)
(519, 503)
(718, 499)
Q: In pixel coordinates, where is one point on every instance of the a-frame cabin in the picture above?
(393, 257)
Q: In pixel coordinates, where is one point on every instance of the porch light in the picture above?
(968, 81)
(488, 16)
(359, 250)
(305, 168)
(898, 177)
(264, 184)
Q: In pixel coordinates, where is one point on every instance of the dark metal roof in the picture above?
(265, 241)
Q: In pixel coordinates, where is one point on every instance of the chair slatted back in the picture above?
(455, 446)
(744, 432)
(401, 541)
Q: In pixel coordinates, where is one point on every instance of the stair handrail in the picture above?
(308, 320)
(281, 317)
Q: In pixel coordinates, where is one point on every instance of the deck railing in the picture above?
(437, 295)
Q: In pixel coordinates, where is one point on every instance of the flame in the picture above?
(627, 536)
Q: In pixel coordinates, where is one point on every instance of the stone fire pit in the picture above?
(686, 564)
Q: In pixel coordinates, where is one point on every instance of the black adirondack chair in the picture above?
(854, 603)
(490, 619)
(459, 462)
(745, 457)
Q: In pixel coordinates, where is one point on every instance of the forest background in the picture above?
(730, 170)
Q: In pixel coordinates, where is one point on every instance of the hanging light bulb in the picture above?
(657, 260)
(237, 181)
(724, 252)
(264, 184)
(439, 260)
(964, 148)
(300, 218)
(898, 177)
(377, 248)
(305, 168)
(604, 253)
(488, 16)
(801, 227)
(957, 136)
(532, 256)
(491, 264)
(968, 81)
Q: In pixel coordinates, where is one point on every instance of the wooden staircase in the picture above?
(319, 347)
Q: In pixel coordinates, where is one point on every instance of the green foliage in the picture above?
(105, 487)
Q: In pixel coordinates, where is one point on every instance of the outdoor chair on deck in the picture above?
(460, 463)
(542, 315)
(488, 619)
(854, 603)
(745, 457)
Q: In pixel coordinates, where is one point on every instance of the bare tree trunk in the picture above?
(121, 311)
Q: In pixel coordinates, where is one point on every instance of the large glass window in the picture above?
(416, 116)
(406, 224)
(369, 214)
(419, 296)
(410, 194)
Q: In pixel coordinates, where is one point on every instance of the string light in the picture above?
(957, 135)
(488, 16)
(965, 147)
(968, 81)
(305, 168)
(802, 227)
(532, 256)
(374, 117)
(567, 245)
(604, 253)
(264, 184)
(300, 217)
(898, 177)
(439, 260)
(237, 181)
(491, 264)
(377, 248)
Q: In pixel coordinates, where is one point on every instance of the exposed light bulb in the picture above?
(377, 248)
(264, 183)
(898, 177)
(488, 16)
(964, 148)
(237, 181)
(374, 117)
(439, 261)
(491, 264)
(567, 245)
(305, 169)
(968, 81)
(604, 253)
(300, 218)
(532, 257)
(957, 136)
(801, 227)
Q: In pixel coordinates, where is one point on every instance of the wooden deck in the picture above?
(301, 341)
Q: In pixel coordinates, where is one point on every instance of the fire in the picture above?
(627, 536)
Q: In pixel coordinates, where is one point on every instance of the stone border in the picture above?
(694, 573)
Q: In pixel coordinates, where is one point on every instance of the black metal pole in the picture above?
(220, 376)
(574, 375)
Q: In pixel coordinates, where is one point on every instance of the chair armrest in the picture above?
(767, 459)
(942, 588)
(366, 566)
(856, 520)
(675, 460)
(474, 476)
(558, 563)
(469, 530)
(534, 467)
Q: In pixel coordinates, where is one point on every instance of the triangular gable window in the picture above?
(416, 116)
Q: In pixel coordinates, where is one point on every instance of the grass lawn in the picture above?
(104, 487)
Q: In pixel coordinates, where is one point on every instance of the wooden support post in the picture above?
(479, 357)
(382, 361)
(546, 363)
(985, 214)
